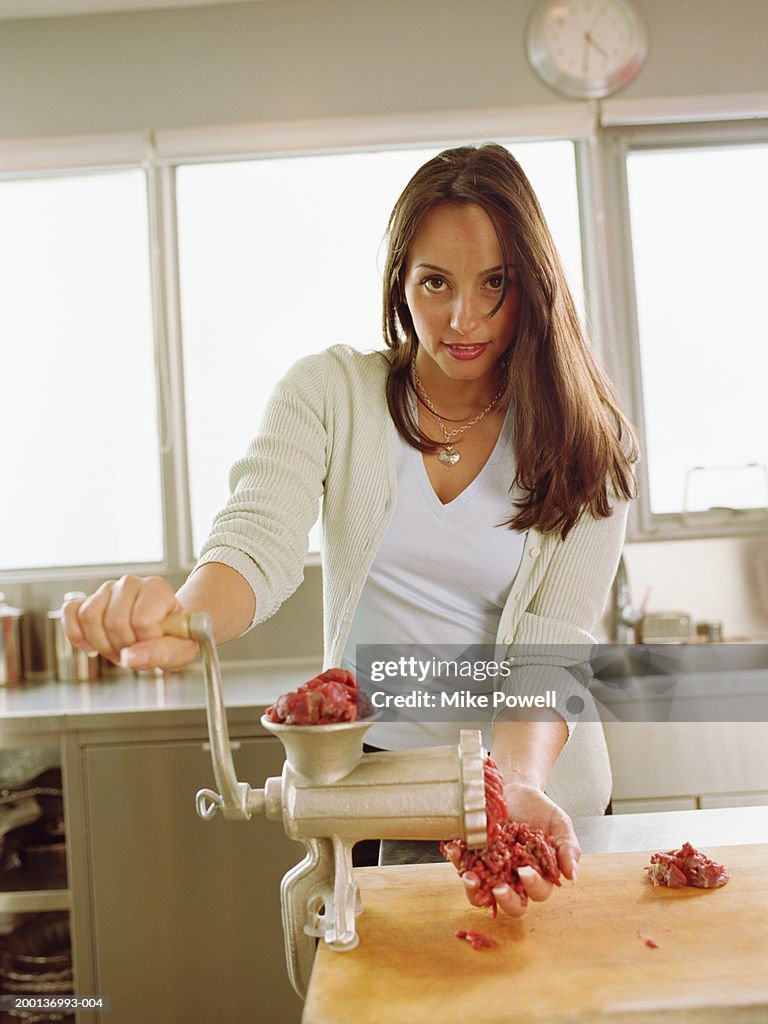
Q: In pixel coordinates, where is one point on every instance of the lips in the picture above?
(466, 351)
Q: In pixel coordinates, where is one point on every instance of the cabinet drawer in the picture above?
(756, 799)
(661, 804)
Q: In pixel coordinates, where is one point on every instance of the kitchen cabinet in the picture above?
(682, 765)
(184, 914)
(172, 918)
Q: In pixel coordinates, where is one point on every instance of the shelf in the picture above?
(33, 891)
(20, 901)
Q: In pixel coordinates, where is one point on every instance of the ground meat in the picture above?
(514, 845)
(511, 845)
(495, 806)
(686, 866)
(328, 698)
(477, 939)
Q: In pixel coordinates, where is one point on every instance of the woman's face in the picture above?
(454, 277)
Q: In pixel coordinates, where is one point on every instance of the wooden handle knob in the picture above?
(177, 625)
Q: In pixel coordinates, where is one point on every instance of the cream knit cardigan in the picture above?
(327, 435)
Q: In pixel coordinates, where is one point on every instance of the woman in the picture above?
(474, 477)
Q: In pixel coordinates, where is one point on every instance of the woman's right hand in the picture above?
(122, 622)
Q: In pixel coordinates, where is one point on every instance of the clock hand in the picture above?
(591, 42)
(585, 54)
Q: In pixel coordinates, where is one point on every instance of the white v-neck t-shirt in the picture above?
(439, 580)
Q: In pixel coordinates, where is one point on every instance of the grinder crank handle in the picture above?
(235, 799)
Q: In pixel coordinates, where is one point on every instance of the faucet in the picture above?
(624, 616)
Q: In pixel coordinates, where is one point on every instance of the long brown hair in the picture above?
(573, 446)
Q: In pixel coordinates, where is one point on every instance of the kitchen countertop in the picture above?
(144, 698)
(722, 826)
(611, 949)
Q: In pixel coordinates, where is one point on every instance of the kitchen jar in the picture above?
(70, 663)
(11, 660)
(709, 632)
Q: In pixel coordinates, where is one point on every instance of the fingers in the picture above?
(536, 888)
(454, 853)
(568, 849)
(166, 652)
(123, 617)
(508, 901)
(507, 898)
(71, 622)
(90, 618)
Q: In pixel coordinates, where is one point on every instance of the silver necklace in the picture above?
(448, 454)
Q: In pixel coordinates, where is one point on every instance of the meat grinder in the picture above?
(330, 795)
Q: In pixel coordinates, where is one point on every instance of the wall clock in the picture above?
(586, 49)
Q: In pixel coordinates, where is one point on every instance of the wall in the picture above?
(282, 59)
(320, 58)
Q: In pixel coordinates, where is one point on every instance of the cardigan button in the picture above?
(535, 552)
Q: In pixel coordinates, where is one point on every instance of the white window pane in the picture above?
(77, 384)
(281, 257)
(699, 224)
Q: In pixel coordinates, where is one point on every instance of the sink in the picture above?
(620, 661)
(681, 682)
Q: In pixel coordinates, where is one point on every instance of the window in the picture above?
(77, 381)
(276, 256)
(699, 218)
(281, 257)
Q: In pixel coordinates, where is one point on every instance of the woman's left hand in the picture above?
(527, 803)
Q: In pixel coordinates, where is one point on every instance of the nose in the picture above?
(466, 314)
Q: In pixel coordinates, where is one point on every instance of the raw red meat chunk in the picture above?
(686, 866)
(477, 939)
(328, 698)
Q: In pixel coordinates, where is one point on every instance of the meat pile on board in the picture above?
(329, 698)
(511, 845)
(686, 866)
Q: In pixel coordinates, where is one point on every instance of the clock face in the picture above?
(586, 48)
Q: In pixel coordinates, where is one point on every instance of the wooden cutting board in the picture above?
(580, 956)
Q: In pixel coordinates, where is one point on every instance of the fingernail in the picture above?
(527, 872)
(470, 883)
(574, 872)
(500, 892)
(134, 657)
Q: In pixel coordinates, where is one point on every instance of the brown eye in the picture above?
(434, 283)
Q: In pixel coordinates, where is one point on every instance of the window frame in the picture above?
(620, 318)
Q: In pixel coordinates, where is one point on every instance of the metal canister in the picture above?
(69, 662)
(11, 658)
(710, 632)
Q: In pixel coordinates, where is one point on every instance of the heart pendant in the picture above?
(448, 456)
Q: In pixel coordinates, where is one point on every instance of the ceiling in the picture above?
(63, 8)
